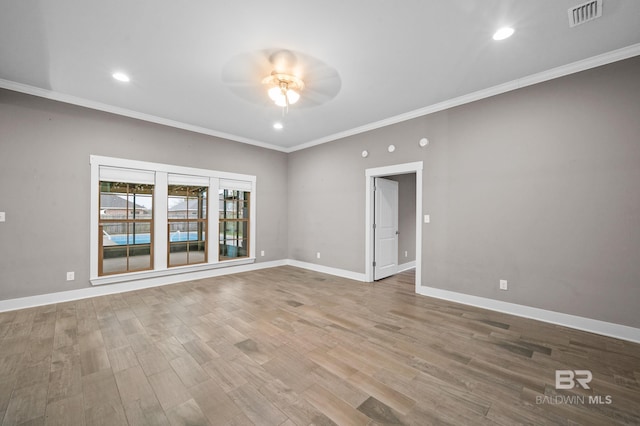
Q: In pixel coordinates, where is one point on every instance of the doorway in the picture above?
(380, 172)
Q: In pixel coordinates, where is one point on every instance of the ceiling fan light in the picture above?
(281, 101)
(292, 96)
(284, 88)
(275, 93)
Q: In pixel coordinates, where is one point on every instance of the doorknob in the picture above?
(397, 233)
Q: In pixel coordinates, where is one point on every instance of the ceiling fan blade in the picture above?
(283, 61)
(246, 68)
(322, 83)
(244, 75)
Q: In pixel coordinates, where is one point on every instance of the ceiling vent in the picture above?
(585, 12)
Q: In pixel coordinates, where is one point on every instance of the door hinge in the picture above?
(374, 263)
(374, 226)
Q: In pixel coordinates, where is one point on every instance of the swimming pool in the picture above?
(121, 239)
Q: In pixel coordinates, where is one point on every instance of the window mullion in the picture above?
(214, 221)
(161, 227)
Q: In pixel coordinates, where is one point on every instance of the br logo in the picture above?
(567, 379)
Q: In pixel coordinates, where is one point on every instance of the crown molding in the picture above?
(75, 100)
(561, 71)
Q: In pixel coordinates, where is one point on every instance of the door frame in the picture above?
(397, 169)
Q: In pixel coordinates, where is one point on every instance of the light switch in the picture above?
(427, 219)
(2, 217)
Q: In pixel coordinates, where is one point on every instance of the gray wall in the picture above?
(44, 185)
(537, 186)
(406, 216)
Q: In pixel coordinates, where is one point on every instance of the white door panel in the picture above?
(385, 228)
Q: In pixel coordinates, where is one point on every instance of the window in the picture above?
(187, 217)
(150, 220)
(233, 223)
(126, 226)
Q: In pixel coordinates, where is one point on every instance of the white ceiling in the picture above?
(394, 59)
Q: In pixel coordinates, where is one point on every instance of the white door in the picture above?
(385, 228)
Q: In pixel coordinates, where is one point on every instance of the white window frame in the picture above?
(216, 181)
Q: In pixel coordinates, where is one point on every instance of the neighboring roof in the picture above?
(181, 206)
(108, 201)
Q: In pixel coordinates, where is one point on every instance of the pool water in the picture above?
(121, 239)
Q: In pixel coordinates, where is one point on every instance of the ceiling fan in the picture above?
(281, 76)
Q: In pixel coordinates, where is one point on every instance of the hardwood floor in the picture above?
(287, 346)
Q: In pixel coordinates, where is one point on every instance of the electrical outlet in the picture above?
(261, 252)
(503, 285)
(71, 276)
(3, 216)
(318, 255)
(406, 253)
(427, 218)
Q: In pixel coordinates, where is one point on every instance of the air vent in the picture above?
(585, 12)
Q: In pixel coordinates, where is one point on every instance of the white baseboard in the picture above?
(356, 276)
(83, 293)
(572, 321)
(406, 266)
(102, 290)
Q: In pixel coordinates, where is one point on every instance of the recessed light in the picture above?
(503, 33)
(120, 76)
(278, 126)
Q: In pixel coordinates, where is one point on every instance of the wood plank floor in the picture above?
(286, 346)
